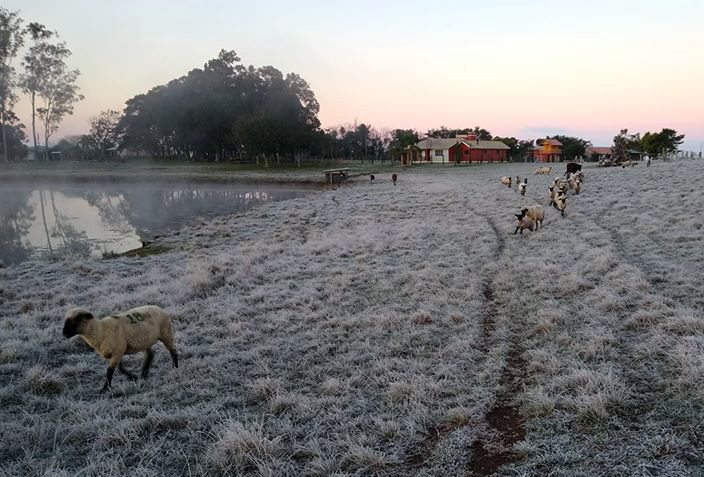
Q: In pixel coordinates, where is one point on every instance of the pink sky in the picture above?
(578, 68)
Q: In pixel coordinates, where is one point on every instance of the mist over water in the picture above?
(90, 219)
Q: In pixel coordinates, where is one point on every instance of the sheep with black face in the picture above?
(524, 222)
(129, 332)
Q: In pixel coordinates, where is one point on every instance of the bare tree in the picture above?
(11, 40)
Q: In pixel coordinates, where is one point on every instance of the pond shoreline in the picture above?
(185, 171)
(170, 179)
(109, 218)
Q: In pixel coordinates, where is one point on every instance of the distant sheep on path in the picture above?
(129, 332)
(505, 180)
(522, 186)
(561, 202)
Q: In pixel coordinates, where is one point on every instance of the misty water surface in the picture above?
(93, 218)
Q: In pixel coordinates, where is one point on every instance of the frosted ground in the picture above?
(381, 330)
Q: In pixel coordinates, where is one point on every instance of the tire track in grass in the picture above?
(505, 422)
(504, 418)
(420, 454)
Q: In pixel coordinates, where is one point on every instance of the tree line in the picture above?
(223, 111)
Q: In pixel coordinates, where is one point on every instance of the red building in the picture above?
(446, 151)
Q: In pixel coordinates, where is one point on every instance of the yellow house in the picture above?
(548, 150)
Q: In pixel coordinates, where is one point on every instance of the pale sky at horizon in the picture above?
(524, 69)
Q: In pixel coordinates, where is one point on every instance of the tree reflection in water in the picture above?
(124, 214)
(16, 217)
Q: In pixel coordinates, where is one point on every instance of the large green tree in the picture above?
(666, 141)
(519, 149)
(11, 40)
(401, 139)
(222, 110)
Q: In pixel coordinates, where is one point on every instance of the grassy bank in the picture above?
(180, 170)
(383, 330)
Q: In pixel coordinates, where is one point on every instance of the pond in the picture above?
(92, 219)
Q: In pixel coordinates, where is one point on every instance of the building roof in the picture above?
(486, 145)
(599, 150)
(447, 143)
(552, 142)
(437, 143)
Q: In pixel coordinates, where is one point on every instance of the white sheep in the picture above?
(561, 202)
(574, 183)
(543, 170)
(523, 223)
(535, 213)
(505, 180)
(552, 192)
(560, 186)
(128, 332)
(522, 186)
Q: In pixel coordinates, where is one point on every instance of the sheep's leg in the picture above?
(122, 369)
(115, 360)
(516, 231)
(148, 356)
(172, 352)
(108, 379)
(169, 343)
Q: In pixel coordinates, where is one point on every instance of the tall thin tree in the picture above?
(43, 62)
(11, 40)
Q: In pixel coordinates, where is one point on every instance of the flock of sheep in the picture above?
(532, 217)
(138, 329)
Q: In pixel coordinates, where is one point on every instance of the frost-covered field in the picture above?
(381, 330)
